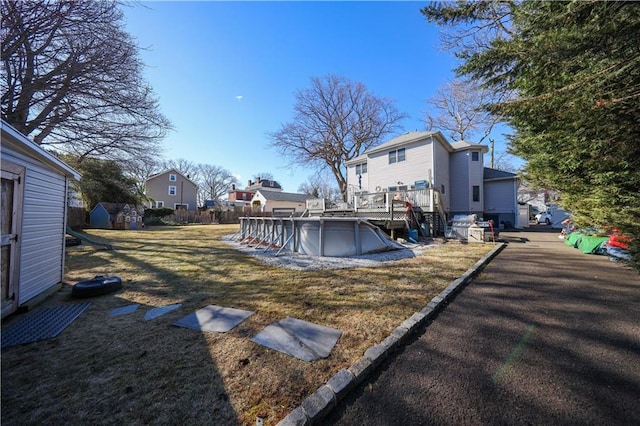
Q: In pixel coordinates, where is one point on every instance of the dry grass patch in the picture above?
(125, 370)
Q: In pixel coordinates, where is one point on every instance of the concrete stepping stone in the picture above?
(214, 318)
(124, 310)
(159, 311)
(300, 339)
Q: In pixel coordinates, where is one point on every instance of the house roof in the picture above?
(170, 171)
(402, 140)
(19, 142)
(464, 145)
(494, 174)
(263, 183)
(284, 196)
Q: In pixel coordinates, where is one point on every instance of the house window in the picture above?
(442, 189)
(361, 169)
(172, 190)
(159, 204)
(393, 188)
(475, 156)
(396, 156)
(172, 178)
(476, 193)
(244, 196)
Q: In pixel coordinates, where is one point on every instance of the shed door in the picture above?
(10, 222)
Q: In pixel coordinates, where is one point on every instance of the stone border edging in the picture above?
(326, 397)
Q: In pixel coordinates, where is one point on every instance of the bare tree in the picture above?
(263, 176)
(335, 120)
(187, 168)
(460, 109)
(214, 182)
(321, 186)
(140, 169)
(73, 79)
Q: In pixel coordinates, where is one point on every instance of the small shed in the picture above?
(35, 187)
(116, 216)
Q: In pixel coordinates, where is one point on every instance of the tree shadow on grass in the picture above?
(115, 370)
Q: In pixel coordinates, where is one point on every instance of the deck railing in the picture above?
(382, 201)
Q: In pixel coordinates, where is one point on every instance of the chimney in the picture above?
(258, 179)
(250, 183)
(233, 186)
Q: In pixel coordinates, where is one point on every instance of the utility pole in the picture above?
(492, 143)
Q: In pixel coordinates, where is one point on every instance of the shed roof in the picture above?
(13, 139)
(115, 208)
(494, 174)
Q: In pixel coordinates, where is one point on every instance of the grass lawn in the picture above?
(125, 370)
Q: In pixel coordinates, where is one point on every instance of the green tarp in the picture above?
(573, 239)
(589, 244)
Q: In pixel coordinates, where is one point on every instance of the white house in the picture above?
(275, 201)
(35, 187)
(417, 160)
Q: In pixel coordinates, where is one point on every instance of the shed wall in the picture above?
(43, 222)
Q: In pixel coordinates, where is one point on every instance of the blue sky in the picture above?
(226, 73)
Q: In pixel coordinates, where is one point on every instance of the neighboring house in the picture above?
(279, 202)
(116, 216)
(264, 184)
(35, 189)
(419, 160)
(240, 197)
(173, 190)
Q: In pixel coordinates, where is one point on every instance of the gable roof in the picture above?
(464, 145)
(495, 174)
(402, 140)
(284, 196)
(406, 139)
(170, 171)
(15, 140)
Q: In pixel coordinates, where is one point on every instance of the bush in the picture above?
(159, 212)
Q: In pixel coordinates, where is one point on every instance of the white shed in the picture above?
(35, 185)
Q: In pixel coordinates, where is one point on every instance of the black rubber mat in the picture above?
(42, 324)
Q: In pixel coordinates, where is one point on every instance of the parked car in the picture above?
(544, 217)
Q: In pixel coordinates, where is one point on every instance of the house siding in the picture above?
(460, 189)
(476, 177)
(500, 202)
(418, 162)
(442, 173)
(43, 227)
(157, 188)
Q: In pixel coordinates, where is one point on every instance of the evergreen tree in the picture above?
(574, 70)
